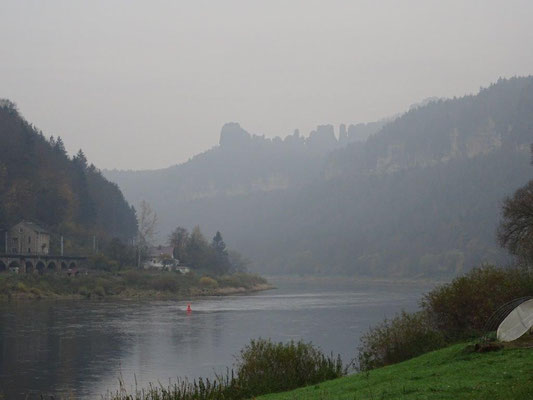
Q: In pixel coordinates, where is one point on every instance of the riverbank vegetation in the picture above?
(450, 373)
(449, 313)
(128, 283)
(461, 309)
(261, 367)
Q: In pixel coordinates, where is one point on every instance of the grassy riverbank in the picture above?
(450, 373)
(460, 371)
(126, 284)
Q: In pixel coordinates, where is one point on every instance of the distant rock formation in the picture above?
(323, 139)
(361, 132)
(233, 135)
(343, 135)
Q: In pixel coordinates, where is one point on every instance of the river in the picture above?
(80, 349)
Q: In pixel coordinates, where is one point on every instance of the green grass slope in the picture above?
(450, 373)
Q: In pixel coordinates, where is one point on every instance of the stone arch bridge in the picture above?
(30, 263)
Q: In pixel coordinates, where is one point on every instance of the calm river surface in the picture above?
(79, 349)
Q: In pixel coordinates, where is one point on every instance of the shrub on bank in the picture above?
(262, 367)
(102, 263)
(246, 281)
(266, 367)
(169, 283)
(99, 291)
(83, 291)
(21, 287)
(451, 312)
(208, 282)
(401, 338)
(461, 308)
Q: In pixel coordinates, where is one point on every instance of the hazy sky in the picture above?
(147, 84)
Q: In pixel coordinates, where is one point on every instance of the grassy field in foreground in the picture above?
(450, 373)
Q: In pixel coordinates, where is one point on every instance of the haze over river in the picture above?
(80, 349)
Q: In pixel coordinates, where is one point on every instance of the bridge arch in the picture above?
(29, 267)
(51, 266)
(14, 264)
(72, 265)
(64, 266)
(3, 266)
(40, 267)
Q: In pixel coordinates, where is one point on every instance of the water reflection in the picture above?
(45, 347)
(80, 349)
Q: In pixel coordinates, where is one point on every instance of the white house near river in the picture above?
(162, 258)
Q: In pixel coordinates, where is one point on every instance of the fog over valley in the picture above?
(389, 197)
(270, 200)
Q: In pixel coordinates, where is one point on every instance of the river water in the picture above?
(80, 349)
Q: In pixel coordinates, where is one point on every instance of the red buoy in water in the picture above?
(189, 310)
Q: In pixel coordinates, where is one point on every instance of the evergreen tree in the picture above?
(218, 244)
(80, 160)
(60, 146)
(220, 260)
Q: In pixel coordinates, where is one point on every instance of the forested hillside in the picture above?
(442, 130)
(420, 197)
(39, 182)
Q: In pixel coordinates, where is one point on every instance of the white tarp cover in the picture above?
(518, 322)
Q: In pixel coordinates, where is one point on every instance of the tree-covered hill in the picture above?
(500, 116)
(40, 182)
(421, 197)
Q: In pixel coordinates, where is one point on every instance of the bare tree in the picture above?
(147, 222)
(179, 239)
